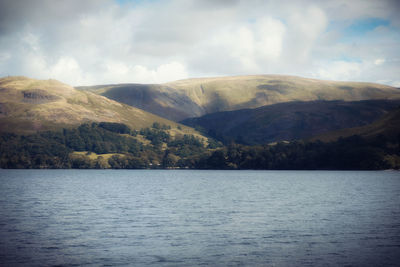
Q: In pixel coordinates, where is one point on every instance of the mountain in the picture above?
(387, 126)
(291, 120)
(30, 105)
(48, 124)
(157, 99)
(196, 97)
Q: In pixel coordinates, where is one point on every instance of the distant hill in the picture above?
(388, 126)
(29, 105)
(291, 120)
(196, 97)
(154, 98)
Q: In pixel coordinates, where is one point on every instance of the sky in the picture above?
(88, 42)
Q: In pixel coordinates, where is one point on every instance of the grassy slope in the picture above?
(28, 105)
(291, 120)
(196, 97)
(158, 99)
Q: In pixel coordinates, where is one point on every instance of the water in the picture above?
(192, 218)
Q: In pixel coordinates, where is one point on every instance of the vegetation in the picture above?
(99, 145)
(289, 121)
(47, 124)
(112, 145)
(352, 153)
(30, 105)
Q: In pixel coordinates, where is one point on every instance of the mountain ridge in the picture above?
(196, 97)
(48, 124)
(29, 105)
(291, 120)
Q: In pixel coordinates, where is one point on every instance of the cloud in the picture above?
(340, 70)
(66, 68)
(306, 25)
(104, 41)
(243, 48)
(396, 84)
(141, 74)
(379, 61)
(16, 14)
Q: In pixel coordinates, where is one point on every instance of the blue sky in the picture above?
(360, 27)
(121, 41)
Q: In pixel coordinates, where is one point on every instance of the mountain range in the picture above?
(197, 97)
(259, 109)
(179, 124)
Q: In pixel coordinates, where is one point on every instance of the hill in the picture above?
(196, 97)
(387, 126)
(157, 99)
(291, 120)
(48, 124)
(30, 105)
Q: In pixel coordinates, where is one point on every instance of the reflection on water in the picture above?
(216, 218)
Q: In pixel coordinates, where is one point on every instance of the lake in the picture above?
(192, 218)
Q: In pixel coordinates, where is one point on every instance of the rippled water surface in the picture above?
(216, 218)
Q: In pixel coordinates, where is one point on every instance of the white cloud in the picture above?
(66, 69)
(31, 41)
(140, 74)
(34, 63)
(340, 70)
(396, 84)
(4, 57)
(244, 48)
(379, 61)
(306, 25)
(169, 72)
(269, 34)
(97, 42)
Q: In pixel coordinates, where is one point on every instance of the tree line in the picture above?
(116, 146)
(352, 153)
(54, 149)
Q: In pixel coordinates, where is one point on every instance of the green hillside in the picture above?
(29, 105)
(196, 97)
(47, 124)
(101, 145)
(291, 120)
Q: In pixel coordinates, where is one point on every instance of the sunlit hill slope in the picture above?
(29, 105)
(196, 97)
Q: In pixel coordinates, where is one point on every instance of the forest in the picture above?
(352, 153)
(115, 145)
(97, 145)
